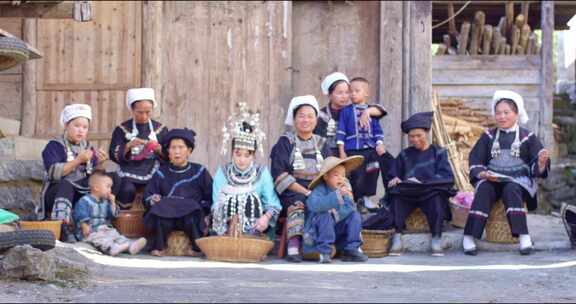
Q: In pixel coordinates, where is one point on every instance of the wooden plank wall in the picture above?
(334, 36)
(475, 78)
(216, 54)
(11, 80)
(89, 62)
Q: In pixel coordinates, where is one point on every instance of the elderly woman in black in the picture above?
(421, 177)
(296, 160)
(179, 195)
(503, 165)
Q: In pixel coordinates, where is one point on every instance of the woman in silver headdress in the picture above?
(242, 187)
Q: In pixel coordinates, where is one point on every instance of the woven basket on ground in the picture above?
(497, 227)
(416, 222)
(376, 243)
(236, 247)
(178, 244)
(53, 226)
(13, 51)
(459, 214)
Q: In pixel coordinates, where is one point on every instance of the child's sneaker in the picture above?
(325, 258)
(137, 246)
(353, 256)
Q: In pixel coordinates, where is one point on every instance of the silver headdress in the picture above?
(236, 131)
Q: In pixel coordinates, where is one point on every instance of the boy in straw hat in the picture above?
(331, 216)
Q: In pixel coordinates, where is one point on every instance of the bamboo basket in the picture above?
(497, 227)
(416, 222)
(53, 226)
(235, 247)
(376, 243)
(459, 214)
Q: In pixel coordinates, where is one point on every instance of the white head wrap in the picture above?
(330, 79)
(518, 100)
(298, 101)
(134, 95)
(74, 111)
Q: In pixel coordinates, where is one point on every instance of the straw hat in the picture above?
(331, 162)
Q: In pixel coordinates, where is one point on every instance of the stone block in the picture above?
(21, 148)
(9, 127)
(28, 263)
(18, 170)
(20, 197)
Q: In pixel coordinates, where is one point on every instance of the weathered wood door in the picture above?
(216, 54)
(89, 62)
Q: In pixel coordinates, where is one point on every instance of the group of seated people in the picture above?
(321, 171)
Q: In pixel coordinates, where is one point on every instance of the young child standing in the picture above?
(331, 215)
(93, 214)
(352, 139)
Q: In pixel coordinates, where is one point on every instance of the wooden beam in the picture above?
(152, 22)
(29, 97)
(545, 131)
(391, 53)
(63, 10)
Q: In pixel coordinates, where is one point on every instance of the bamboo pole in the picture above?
(443, 139)
(463, 38)
(487, 41)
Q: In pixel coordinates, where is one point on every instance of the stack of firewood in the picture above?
(464, 125)
(512, 35)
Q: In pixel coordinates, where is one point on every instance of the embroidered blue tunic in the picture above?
(327, 114)
(351, 135)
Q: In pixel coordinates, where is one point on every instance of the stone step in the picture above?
(21, 148)
(547, 233)
(9, 127)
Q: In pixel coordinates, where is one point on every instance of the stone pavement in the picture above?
(546, 276)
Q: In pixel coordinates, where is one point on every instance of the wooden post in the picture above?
(546, 72)
(28, 126)
(420, 56)
(152, 22)
(487, 39)
(391, 67)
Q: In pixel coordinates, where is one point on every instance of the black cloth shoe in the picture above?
(353, 256)
(295, 258)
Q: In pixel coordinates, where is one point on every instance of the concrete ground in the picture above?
(497, 274)
(547, 276)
